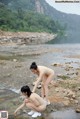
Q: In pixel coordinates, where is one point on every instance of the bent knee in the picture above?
(41, 108)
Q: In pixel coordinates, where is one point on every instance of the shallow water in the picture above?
(66, 114)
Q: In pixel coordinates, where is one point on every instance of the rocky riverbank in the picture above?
(14, 73)
(25, 37)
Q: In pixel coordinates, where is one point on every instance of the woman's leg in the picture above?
(33, 107)
(42, 90)
(46, 84)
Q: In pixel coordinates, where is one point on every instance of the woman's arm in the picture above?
(36, 83)
(20, 107)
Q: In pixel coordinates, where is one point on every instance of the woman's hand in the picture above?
(20, 107)
(15, 113)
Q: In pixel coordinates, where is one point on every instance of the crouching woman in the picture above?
(32, 101)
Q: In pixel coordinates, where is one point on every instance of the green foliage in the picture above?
(25, 21)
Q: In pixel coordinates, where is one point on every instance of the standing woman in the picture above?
(45, 75)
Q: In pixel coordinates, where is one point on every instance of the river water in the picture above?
(66, 114)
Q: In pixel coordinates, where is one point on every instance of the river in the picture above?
(70, 37)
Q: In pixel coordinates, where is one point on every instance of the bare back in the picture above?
(36, 99)
(45, 70)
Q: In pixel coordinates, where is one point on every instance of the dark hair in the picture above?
(25, 89)
(33, 66)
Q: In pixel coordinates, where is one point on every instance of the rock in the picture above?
(76, 73)
(57, 64)
(67, 69)
(78, 88)
(68, 66)
(76, 101)
(39, 86)
(57, 90)
(71, 94)
(78, 110)
(66, 103)
(71, 99)
(2, 62)
(14, 60)
(58, 75)
(25, 37)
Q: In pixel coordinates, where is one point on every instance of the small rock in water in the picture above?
(59, 75)
(39, 86)
(78, 110)
(15, 60)
(76, 73)
(57, 64)
(78, 88)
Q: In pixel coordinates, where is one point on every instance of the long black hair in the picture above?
(33, 66)
(26, 89)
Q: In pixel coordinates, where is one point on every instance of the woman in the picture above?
(32, 101)
(45, 75)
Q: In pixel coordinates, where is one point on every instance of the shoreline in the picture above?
(28, 38)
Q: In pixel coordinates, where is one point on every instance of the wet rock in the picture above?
(68, 66)
(78, 88)
(58, 75)
(78, 109)
(76, 101)
(76, 73)
(14, 60)
(71, 99)
(66, 102)
(57, 64)
(68, 62)
(39, 86)
(2, 62)
(71, 94)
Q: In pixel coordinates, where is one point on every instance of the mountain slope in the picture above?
(18, 18)
(69, 21)
(41, 6)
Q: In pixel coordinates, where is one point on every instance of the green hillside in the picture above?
(70, 20)
(21, 15)
(38, 16)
